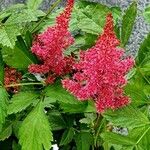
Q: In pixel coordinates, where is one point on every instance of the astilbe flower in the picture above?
(100, 72)
(49, 47)
(12, 76)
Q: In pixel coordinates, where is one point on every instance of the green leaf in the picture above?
(24, 16)
(56, 120)
(136, 89)
(1, 69)
(34, 4)
(12, 56)
(128, 23)
(78, 107)
(147, 14)
(3, 106)
(144, 52)
(6, 132)
(21, 101)
(15, 146)
(83, 140)
(137, 139)
(115, 138)
(35, 132)
(67, 136)
(55, 92)
(8, 35)
(127, 117)
(68, 102)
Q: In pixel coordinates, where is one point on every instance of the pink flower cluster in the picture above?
(49, 47)
(100, 72)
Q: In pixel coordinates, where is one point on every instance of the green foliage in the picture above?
(6, 132)
(21, 101)
(68, 102)
(35, 132)
(12, 56)
(3, 106)
(127, 117)
(56, 120)
(67, 136)
(1, 69)
(83, 140)
(18, 17)
(128, 23)
(34, 4)
(8, 35)
(146, 14)
(137, 139)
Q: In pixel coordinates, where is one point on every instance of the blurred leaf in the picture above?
(6, 132)
(136, 89)
(56, 120)
(138, 139)
(34, 4)
(15, 146)
(143, 57)
(115, 138)
(21, 101)
(35, 132)
(128, 23)
(83, 140)
(3, 106)
(68, 102)
(1, 69)
(67, 136)
(147, 14)
(78, 107)
(127, 117)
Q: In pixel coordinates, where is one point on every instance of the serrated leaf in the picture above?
(12, 57)
(34, 4)
(21, 101)
(128, 22)
(8, 35)
(83, 140)
(147, 14)
(35, 132)
(26, 15)
(6, 132)
(67, 136)
(127, 117)
(3, 106)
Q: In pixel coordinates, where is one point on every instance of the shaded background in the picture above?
(140, 30)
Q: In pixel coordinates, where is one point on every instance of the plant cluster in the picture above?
(65, 78)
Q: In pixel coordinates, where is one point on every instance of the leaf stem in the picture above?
(98, 131)
(48, 12)
(142, 136)
(22, 84)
